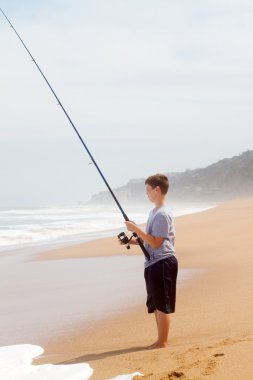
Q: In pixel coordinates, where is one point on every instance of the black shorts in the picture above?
(161, 279)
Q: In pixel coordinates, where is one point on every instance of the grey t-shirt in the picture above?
(160, 223)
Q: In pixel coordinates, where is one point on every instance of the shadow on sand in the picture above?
(102, 355)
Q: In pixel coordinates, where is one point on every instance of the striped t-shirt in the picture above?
(160, 223)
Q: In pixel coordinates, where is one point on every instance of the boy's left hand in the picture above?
(131, 226)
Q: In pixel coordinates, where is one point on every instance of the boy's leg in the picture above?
(163, 326)
(156, 318)
(154, 345)
(158, 293)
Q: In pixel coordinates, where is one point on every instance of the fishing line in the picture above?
(79, 136)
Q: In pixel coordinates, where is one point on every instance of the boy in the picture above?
(161, 270)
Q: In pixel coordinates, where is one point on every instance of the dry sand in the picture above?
(211, 333)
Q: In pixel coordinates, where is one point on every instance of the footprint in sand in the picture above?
(175, 375)
(207, 366)
(181, 357)
(193, 349)
(210, 367)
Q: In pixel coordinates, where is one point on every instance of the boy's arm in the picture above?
(153, 241)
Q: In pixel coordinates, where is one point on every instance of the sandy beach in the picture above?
(212, 330)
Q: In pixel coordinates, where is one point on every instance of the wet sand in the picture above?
(212, 330)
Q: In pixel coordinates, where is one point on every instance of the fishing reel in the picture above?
(125, 239)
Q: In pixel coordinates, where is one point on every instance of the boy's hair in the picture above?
(158, 180)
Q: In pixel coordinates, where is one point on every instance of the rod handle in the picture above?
(142, 246)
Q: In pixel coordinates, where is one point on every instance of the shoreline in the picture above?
(92, 248)
(81, 238)
(211, 332)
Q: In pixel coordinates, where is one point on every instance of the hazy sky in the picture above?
(153, 86)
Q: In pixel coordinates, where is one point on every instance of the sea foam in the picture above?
(16, 364)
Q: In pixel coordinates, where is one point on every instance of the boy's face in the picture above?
(153, 193)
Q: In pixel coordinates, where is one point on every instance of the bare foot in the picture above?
(157, 344)
(162, 345)
(154, 345)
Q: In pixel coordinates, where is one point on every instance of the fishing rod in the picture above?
(123, 238)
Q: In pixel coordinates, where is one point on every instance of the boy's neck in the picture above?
(160, 203)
